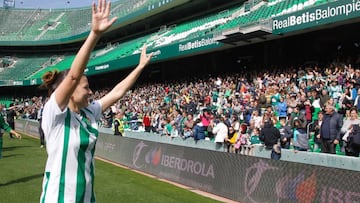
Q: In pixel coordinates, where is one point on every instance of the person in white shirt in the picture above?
(220, 130)
(70, 122)
(347, 125)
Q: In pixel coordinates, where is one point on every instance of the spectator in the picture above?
(119, 124)
(167, 127)
(316, 129)
(177, 119)
(347, 127)
(357, 101)
(199, 130)
(300, 137)
(269, 134)
(257, 119)
(309, 110)
(330, 129)
(188, 126)
(155, 121)
(297, 115)
(242, 140)
(285, 134)
(282, 108)
(353, 141)
(230, 140)
(147, 122)
(220, 130)
(335, 90)
(324, 98)
(255, 137)
(174, 131)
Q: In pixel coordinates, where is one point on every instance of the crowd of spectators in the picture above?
(284, 106)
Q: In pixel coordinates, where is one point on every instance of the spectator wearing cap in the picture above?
(330, 129)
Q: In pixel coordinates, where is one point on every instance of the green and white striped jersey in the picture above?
(70, 144)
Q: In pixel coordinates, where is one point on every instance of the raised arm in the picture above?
(100, 23)
(122, 87)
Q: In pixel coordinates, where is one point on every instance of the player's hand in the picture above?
(100, 17)
(144, 58)
(17, 135)
(336, 141)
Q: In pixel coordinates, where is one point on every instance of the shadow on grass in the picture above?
(15, 147)
(22, 180)
(11, 155)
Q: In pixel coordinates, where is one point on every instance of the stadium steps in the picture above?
(50, 27)
(22, 67)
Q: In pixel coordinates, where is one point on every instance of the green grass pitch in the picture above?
(22, 168)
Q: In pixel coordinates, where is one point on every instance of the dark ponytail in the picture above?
(52, 79)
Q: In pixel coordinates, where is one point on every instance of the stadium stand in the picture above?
(226, 23)
(51, 24)
(22, 67)
(239, 82)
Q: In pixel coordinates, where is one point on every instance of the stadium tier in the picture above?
(51, 26)
(201, 35)
(22, 67)
(262, 10)
(228, 87)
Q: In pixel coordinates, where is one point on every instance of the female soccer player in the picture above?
(70, 122)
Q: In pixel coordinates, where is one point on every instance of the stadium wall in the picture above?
(237, 177)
